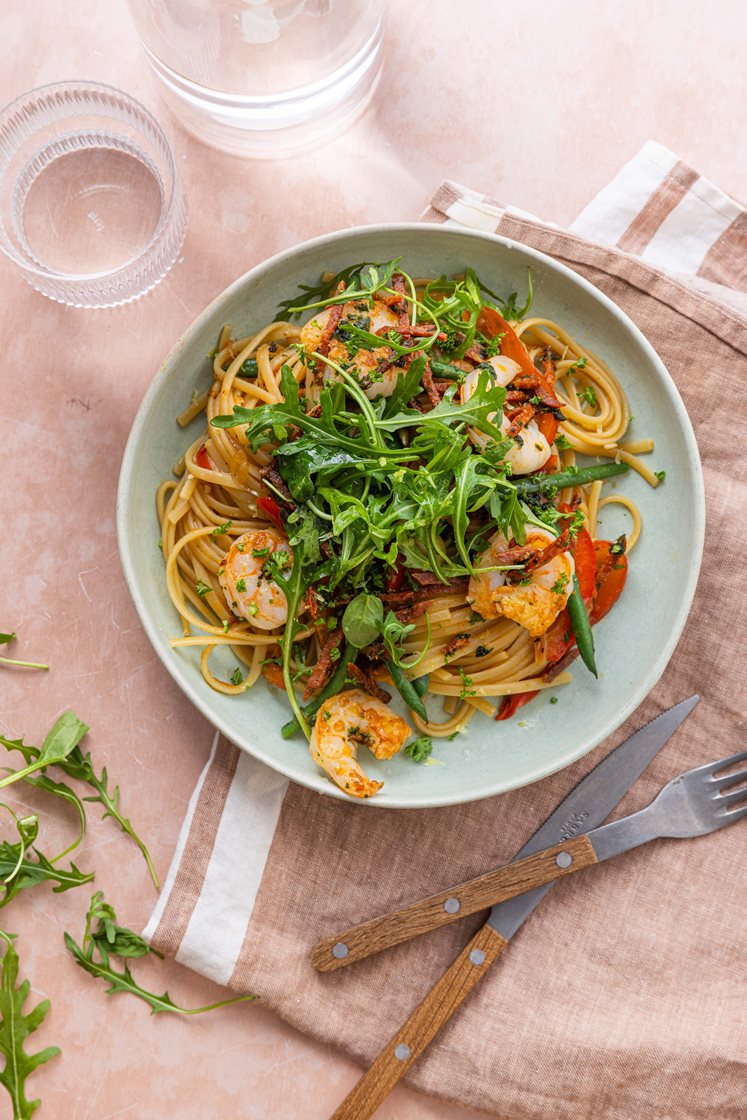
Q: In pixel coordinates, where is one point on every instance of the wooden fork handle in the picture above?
(423, 1025)
(440, 909)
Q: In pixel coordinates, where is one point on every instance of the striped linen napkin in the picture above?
(262, 868)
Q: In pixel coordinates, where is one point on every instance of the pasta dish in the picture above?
(386, 498)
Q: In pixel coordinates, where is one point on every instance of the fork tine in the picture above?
(734, 815)
(731, 798)
(722, 763)
(730, 780)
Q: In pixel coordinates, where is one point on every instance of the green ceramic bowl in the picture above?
(634, 643)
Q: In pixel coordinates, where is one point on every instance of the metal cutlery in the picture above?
(585, 807)
(693, 804)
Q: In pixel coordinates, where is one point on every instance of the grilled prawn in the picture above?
(250, 591)
(534, 601)
(344, 722)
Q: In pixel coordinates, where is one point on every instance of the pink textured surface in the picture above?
(541, 114)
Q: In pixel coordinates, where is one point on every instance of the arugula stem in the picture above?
(112, 811)
(357, 394)
(17, 775)
(24, 664)
(292, 587)
(333, 686)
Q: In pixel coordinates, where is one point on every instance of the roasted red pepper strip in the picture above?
(548, 425)
(490, 323)
(203, 459)
(612, 571)
(271, 509)
(509, 704)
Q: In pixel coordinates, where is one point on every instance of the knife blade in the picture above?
(588, 804)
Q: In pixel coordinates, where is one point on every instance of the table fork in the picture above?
(692, 804)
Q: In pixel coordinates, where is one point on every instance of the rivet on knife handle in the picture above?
(439, 909)
(423, 1025)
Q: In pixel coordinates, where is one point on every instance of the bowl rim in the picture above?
(320, 783)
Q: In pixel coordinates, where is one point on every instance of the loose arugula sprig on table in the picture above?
(6, 639)
(61, 749)
(381, 483)
(104, 939)
(16, 1025)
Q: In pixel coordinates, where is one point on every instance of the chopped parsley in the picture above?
(241, 584)
(237, 677)
(562, 443)
(419, 749)
(220, 529)
(260, 553)
(558, 588)
(589, 396)
(661, 475)
(202, 588)
(467, 688)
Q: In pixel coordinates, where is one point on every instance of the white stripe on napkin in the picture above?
(216, 930)
(608, 215)
(657, 208)
(686, 235)
(176, 860)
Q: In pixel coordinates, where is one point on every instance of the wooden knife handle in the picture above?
(440, 909)
(423, 1025)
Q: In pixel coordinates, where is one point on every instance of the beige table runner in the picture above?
(626, 993)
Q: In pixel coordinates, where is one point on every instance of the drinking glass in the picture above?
(263, 78)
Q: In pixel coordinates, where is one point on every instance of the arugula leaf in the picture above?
(394, 633)
(63, 737)
(293, 586)
(509, 309)
(107, 939)
(4, 641)
(407, 387)
(109, 936)
(59, 789)
(304, 531)
(15, 1027)
(363, 620)
(361, 282)
(26, 872)
(79, 765)
(486, 401)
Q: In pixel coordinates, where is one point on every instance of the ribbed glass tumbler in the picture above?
(92, 212)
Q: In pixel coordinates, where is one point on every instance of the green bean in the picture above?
(447, 371)
(582, 627)
(577, 477)
(407, 689)
(420, 684)
(331, 688)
